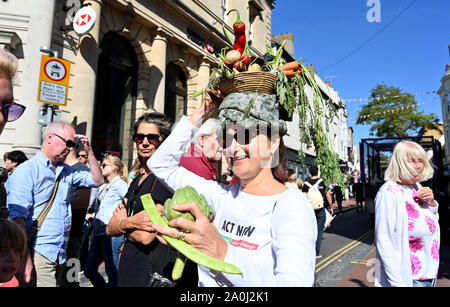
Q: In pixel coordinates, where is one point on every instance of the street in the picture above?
(348, 253)
(345, 243)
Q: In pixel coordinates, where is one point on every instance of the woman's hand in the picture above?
(201, 234)
(426, 194)
(89, 217)
(208, 108)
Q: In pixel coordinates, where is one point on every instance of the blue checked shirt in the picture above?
(28, 190)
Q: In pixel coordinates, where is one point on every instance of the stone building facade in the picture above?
(139, 56)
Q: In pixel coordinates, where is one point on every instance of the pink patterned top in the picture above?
(406, 235)
(423, 229)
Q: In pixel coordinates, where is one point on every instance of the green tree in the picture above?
(393, 113)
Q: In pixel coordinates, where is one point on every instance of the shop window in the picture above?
(176, 93)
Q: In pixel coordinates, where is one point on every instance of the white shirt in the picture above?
(406, 235)
(271, 238)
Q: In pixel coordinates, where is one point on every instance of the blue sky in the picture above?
(411, 53)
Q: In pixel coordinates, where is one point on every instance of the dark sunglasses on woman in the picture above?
(152, 138)
(243, 136)
(12, 111)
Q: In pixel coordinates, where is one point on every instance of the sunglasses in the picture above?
(242, 136)
(105, 165)
(82, 156)
(152, 138)
(12, 111)
(69, 143)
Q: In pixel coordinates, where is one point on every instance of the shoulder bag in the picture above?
(36, 225)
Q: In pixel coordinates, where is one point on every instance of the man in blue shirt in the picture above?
(30, 187)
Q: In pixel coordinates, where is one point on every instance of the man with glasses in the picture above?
(83, 157)
(30, 188)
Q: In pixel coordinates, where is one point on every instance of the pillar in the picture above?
(29, 131)
(158, 70)
(84, 74)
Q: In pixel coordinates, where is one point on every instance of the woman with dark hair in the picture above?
(143, 259)
(13, 160)
(267, 230)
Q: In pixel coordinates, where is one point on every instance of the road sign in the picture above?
(84, 20)
(53, 80)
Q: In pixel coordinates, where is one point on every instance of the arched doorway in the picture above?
(115, 101)
(176, 93)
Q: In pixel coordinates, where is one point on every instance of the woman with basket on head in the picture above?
(260, 225)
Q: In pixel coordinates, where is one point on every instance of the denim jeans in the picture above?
(116, 243)
(320, 217)
(424, 283)
(101, 250)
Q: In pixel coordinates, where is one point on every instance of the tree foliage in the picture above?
(393, 113)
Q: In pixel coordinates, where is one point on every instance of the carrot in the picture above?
(291, 72)
(289, 66)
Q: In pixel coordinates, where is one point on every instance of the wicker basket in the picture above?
(249, 81)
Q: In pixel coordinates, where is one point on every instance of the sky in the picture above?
(408, 50)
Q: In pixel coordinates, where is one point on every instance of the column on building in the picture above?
(28, 133)
(202, 80)
(203, 73)
(84, 74)
(158, 70)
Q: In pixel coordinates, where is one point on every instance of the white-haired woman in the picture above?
(407, 230)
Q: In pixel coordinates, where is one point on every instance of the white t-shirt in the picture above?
(271, 238)
(407, 236)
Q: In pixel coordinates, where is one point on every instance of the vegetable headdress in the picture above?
(251, 109)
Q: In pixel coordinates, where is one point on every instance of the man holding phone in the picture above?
(28, 191)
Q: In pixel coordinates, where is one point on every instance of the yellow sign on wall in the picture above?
(53, 80)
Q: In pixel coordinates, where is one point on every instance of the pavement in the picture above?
(362, 273)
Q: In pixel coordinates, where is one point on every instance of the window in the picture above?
(255, 10)
(448, 102)
(251, 28)
(176, 93)
(447, 144)
(224, 7)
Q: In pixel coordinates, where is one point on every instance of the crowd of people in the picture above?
(64, 204)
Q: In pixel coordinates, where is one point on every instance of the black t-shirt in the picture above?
(322, 190)
(138, 261)
(78, 214)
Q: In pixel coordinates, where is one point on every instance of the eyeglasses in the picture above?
(152, 138)
(69, 143)
(105, 165)
(12, 111)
